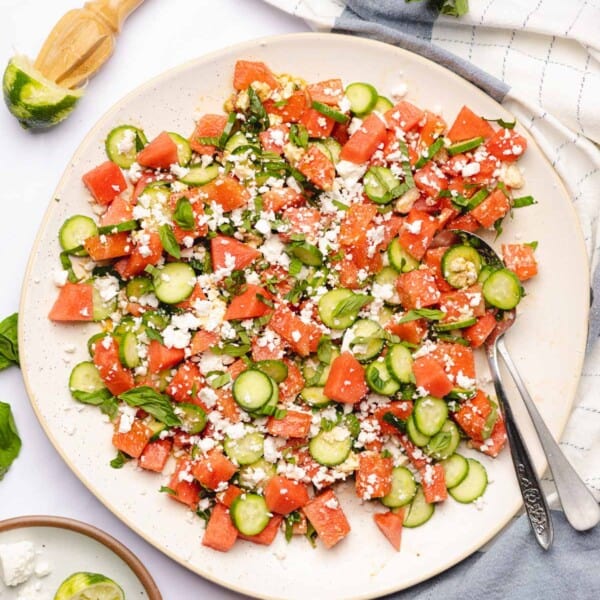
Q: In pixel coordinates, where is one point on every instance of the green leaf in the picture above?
(217, 379)
(351, 305)
(96, 398)
(454, 8)
(10, 442)
(426, 313)
(290, 520)
(167, 490)
(533, 244)
(391, 419)
(257, 119)
(184, 215)
(154, 403)
(523, 201)
(9, 344)
(118, 227)
(430, 153)
(299, 135)
(325, 349)
(119, 460)
(168, 241)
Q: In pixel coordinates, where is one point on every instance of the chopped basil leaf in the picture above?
(217, 379)
(523, 201)
(257, 119)
(290, 521)
(168, 241)
(167, 490)
(351, 305)
(154, 403)
(391, 419)
(184, 215)
(299, 135)
(533, 244)
(119, 460)
(10, 442)
(118, 228)
(427, 313)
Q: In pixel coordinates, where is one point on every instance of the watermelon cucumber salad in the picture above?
(283, 304)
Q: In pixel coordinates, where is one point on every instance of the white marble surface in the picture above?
(159, 35)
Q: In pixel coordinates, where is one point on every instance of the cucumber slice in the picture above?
(85, 378)
(276, 369)
(452, 325)
(155, 319)
(445, 442)
(193, 418)
(414, 435)
(123, 143)
(271, 405)
(339, 308)
(174, 282)
(184, 151)
(456, 468)
(128, 351)
(138, 287)
(256, 475)
(430, 414)
(334, 148)
(307, 253)
(473, 485)
(331, 448)
(485, 272)
(403, 488)
(490, 421)
(156, 427)
(322, 147)
(419, 511)
(399, 362)
(316, 373)
(252, 389)
(381, 185)
(91, 343)
(250, 514)
(382, 105)
(199, 175)
(73, 233)
(245, 450)
(380, 380)
(388, 276)
(503, 289)
(314, 396)
(400, 259)
(89, 586)
(366, 338)
(461, 266)
(460, 147)
(102, 309)
(237, 140)
(362, 97)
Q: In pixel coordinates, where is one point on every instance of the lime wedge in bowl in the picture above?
(89, 586)
(33, 99)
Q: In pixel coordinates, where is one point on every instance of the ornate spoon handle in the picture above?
(533, 497)
(580, 506)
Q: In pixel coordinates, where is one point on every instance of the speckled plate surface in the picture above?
(547, 343)
(66, 546)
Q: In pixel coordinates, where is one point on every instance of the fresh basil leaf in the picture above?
(533, 244)
(231, 349)
(227, 130)
(154, 403)
(203, 514)
(168, 241)
(9, 344)
(94, 398)
(426, 313)
(110, 407)
(257, 119)
(391, 419)
(439, 442)
(523, 201)
(118, 228)
(167, 490)
(10, 442)
(217, 379)
(119, 460)
(290, 520)
(351, 305)
(299, 135)
(183, 214)
(154, 335)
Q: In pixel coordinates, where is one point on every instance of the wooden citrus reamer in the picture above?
(82, 41)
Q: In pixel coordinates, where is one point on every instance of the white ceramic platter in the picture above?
(547, 342)
(66, 546)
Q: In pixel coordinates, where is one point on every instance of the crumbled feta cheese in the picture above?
(60, 278)
(17, 562)
(470, 169)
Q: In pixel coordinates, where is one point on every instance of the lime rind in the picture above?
(33, 99)
(89, 586)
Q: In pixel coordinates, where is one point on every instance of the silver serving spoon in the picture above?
(579, 505)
